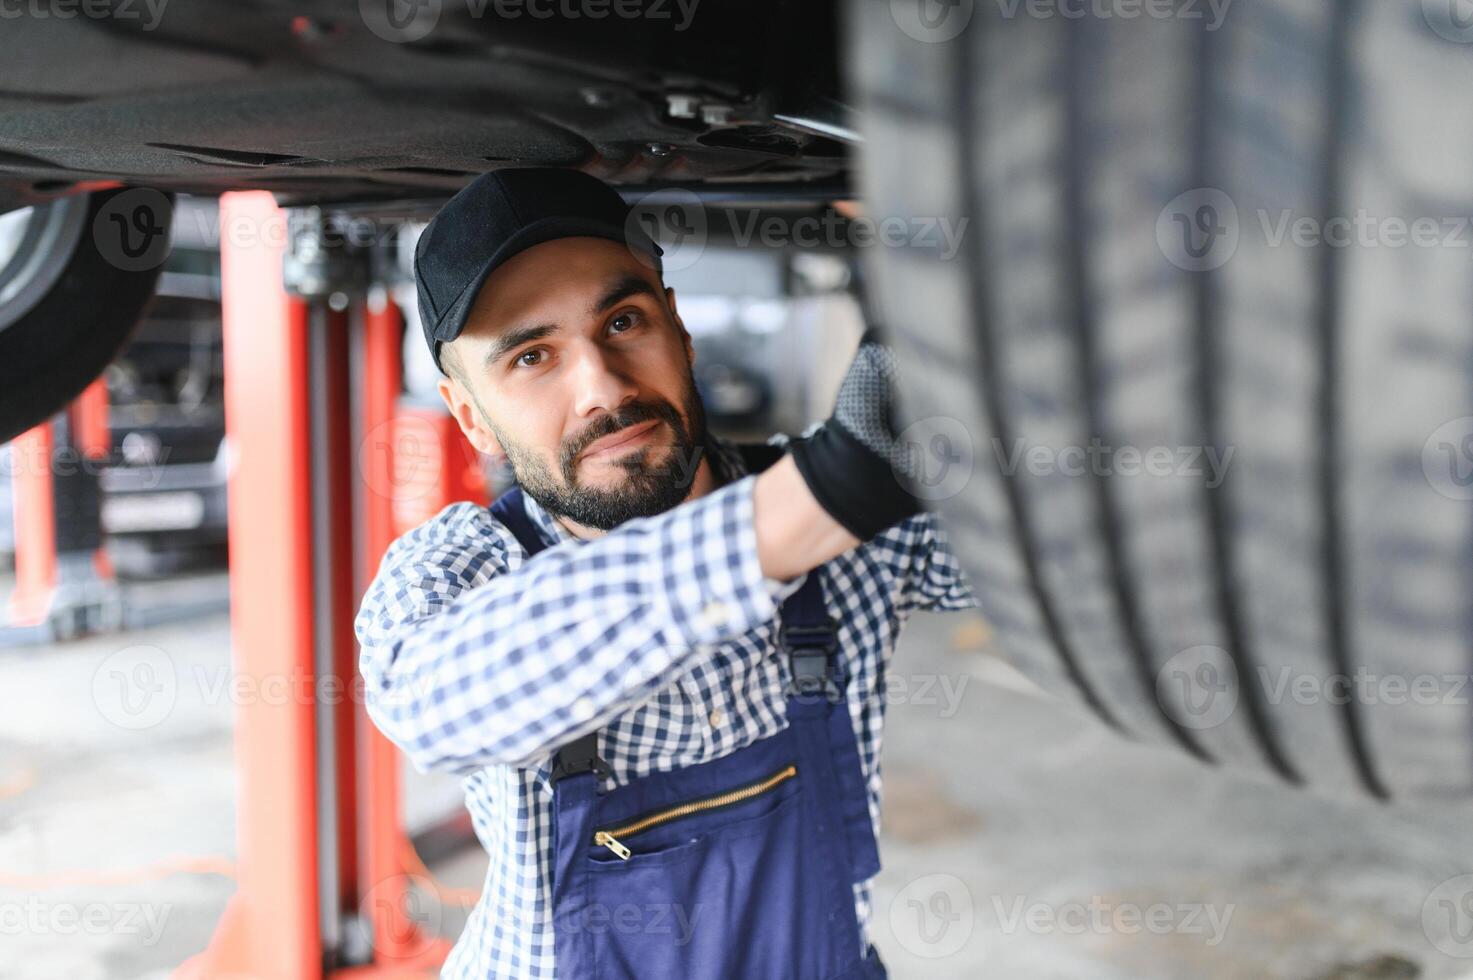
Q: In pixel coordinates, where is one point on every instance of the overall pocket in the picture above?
(679, 826)
(726, 886)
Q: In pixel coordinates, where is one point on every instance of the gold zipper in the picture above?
(610, 837)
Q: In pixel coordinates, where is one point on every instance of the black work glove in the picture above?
(853, 463)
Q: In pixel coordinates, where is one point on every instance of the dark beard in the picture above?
(651, 488)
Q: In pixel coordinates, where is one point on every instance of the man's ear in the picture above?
(690, 349)
(463, 408)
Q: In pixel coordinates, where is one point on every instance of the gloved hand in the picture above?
(853, 463)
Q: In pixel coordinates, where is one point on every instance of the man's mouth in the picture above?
(625, 439)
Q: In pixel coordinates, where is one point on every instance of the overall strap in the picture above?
(807, 633)
(810, 638)
(507, 508)
(581, 754)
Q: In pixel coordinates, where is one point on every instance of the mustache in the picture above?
(635, 413)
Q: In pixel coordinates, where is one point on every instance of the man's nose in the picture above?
(600, 382)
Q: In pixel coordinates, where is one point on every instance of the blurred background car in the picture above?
(164, 478)
(164, 503)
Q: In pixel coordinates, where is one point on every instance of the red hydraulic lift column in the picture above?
(270, 928)
(396, 936)
(35, 525)
(322, 892)
(64, 581)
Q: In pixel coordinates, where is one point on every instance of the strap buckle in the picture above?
(562, 767)
(794, 635)
(811, 652)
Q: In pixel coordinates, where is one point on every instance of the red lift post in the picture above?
(322, 888)
(64, 582)
(395, 935)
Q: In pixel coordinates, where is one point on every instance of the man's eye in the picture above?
(629, 319)
(525, 354)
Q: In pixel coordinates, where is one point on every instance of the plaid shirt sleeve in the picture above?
(928, 575)
(474, 655)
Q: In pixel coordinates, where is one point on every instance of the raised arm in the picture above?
(473, 655)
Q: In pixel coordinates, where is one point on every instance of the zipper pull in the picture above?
(612, 843)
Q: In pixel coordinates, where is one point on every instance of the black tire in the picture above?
(70, 299)
(1310, 615)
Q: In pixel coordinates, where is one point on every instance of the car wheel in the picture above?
(75, 276)
(1220, 444)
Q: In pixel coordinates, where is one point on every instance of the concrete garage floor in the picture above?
(1082, 856)
(1020, 840)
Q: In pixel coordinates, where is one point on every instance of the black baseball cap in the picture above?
(498, 215)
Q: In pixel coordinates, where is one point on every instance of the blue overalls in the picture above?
(739, 868)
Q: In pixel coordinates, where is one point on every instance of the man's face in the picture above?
(574, 363)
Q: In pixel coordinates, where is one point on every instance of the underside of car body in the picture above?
(383, 100)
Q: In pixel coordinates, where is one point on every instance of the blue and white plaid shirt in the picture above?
(658, 634)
